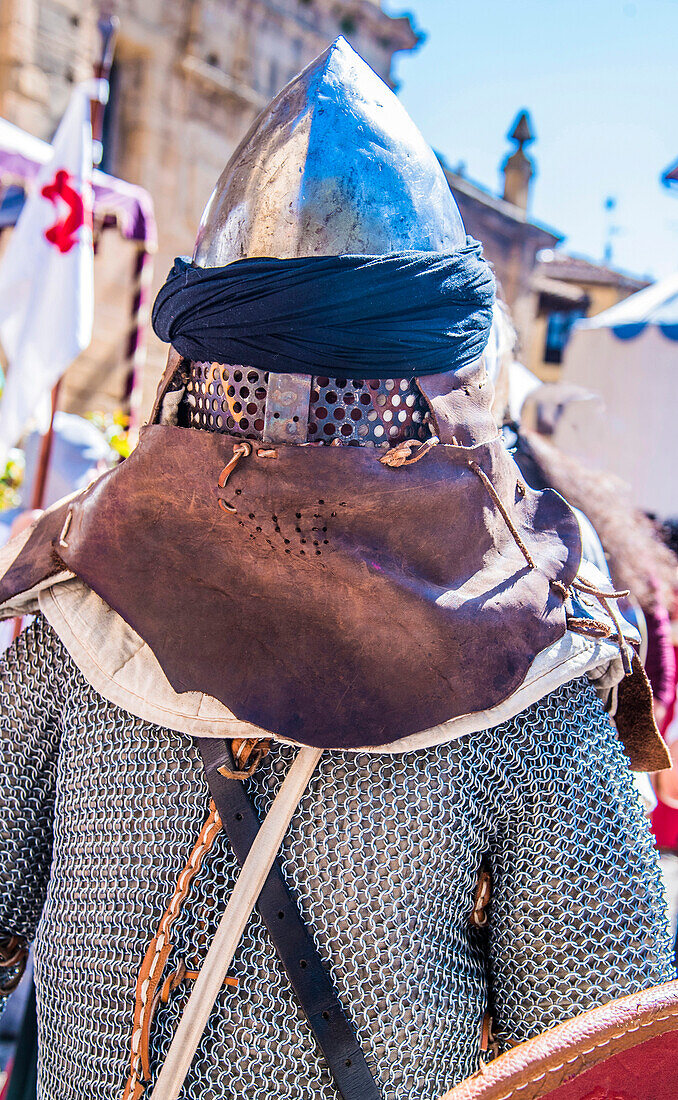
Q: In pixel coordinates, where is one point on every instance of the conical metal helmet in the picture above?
(334, 165)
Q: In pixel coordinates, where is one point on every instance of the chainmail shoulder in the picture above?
(383, 855)
(33, 679)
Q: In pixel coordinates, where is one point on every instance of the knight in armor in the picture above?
(321, 540)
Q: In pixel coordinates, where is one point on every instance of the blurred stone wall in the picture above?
(189, 78)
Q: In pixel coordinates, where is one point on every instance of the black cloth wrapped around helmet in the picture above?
(395, 316)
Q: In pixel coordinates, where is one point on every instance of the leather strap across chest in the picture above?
(311, 983)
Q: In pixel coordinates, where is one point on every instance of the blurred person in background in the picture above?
(637, 559)
(620, 540)
(665, 816)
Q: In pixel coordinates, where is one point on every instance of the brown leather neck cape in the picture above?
(320, 593)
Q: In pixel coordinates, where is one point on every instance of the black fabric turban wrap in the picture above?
(395, 316)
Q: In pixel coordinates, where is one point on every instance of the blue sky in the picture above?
(600, 79)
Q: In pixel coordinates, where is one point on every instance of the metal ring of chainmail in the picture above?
(383, 856)
(374, 412)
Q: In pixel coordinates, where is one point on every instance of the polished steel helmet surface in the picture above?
(334, 165)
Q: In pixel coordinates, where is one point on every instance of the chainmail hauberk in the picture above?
(383, 856)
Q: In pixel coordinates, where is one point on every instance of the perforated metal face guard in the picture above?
(276, 408)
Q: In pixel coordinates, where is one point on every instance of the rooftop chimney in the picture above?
(518, 169)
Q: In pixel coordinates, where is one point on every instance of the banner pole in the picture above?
(108, 28)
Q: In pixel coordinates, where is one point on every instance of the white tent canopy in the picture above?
(23, 144)
(628, 355)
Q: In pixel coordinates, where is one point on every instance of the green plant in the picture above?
(115, 429)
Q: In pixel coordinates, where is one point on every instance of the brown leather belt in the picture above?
(291, 939)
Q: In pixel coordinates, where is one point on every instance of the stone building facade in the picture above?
(567, 288)
(188, 79)
(511, 242)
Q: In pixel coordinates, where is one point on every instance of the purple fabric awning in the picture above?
(22, 155)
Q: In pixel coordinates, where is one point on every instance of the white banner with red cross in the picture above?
(47, 273)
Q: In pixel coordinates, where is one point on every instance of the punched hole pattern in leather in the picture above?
(301, 534)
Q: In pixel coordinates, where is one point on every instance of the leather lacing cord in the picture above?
(604, 597)
(581, 626)
(401, 455)
(148, 995)
(240, 450)
(502, 510)
(479, 919)
(488, 1040)
(248, 752)
(481, 899)
(408, 452)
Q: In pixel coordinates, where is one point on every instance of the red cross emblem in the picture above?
(63, 233)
